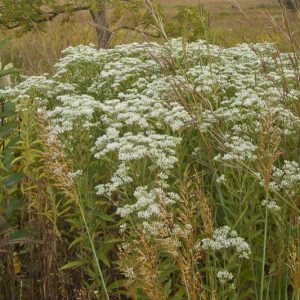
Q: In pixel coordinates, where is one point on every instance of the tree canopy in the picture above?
(26, 15)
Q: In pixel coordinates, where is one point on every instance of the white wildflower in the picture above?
(129, 273)
(271, 205)
(224, 276)
(221, 179)
(226, 238)
(75, 174)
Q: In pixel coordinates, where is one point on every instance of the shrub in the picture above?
(168, 171)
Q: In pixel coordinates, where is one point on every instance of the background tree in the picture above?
(290, 4)
(27, 15)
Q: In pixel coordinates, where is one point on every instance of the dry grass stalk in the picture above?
(206, 214)
(148, 269)
(178, 241)
(140, 264)
(294, 266)
(269, 142)
(186, 256)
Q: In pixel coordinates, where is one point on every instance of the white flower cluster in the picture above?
(130, 111)
(241, 96)
(72, 110)
(128, 96)
(271, 205)
(221, 179)
(287, 178)
(118, 179)
(224, 276)
(149, 203)
(239, 149)
(40, 88)
(129, 273)
(160, 149)
(75, 174)
(226, 238)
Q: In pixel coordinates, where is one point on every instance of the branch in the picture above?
(127, 28)
(45, 17)
(139, 31)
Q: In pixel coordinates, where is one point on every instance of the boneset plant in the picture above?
(172, 170)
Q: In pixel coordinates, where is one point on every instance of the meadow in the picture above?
(163, 169)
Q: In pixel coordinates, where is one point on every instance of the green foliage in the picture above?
(13, 12)
(38, 12)
(11, 200)
(190, 22)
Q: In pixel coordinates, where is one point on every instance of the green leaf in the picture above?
(9, 151)
(13, 179)
(179, 295)
(7, 129)
(13, 205)
(167, 287)
(104, 217)
(103, 258)
(76, 241)
(74, 221)
(8, 71)
(273, 268)
(9, 107)
(73, 264)
(13, 142)
(8, 110)
(19, 234)
(111, 240)
(117, 284)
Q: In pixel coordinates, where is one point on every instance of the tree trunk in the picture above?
(101, 23)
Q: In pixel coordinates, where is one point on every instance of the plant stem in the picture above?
(264, 253)
(93, 249)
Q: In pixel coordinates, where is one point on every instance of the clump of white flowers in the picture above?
(71, 110)
(226, 238)
(271, 205)
(239, 149)
(75, 174)
(224, 276)
(286, 178)
(148, 203)
(118, 179)
(221, 179)
(132, 115)
(129, 273)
